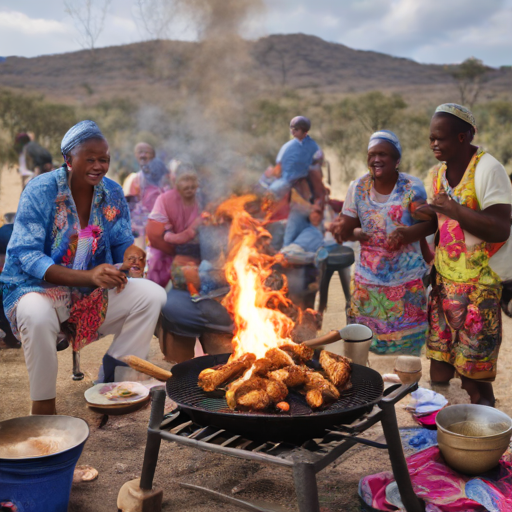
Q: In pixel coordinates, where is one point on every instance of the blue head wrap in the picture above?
(386, 136)
(82, 131)
(154, 172)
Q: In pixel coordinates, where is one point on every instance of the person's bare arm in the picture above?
(184, 236)
(491, 225)
(102, 276)
(155, 231)
(315, 178)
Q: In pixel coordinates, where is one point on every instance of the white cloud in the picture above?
(18, 22)
(28, 37)
(409, 25)
(425, 30)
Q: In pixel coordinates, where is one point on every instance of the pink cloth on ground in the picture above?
(427, 421)
(442, 488)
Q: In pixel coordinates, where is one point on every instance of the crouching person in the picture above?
(71, 228)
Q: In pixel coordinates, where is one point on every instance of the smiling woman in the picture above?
(71, 227)
(380, 212)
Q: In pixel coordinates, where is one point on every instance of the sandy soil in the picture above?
(116, 443)
(10, 190)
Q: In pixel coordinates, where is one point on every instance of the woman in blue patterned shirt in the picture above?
(71, 228)
(380, 211)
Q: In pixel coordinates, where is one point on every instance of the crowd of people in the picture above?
(79, 243)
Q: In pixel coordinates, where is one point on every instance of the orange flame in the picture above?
(257, 327)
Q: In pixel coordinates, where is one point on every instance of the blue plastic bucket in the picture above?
(40, 483)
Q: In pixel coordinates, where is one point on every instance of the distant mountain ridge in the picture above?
(294, 61)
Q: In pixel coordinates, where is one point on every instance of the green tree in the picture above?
(20, 113)
(377, 111)
(470, 77)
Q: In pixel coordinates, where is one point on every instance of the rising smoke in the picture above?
(218, 83)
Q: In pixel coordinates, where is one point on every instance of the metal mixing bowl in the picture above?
(473, 454)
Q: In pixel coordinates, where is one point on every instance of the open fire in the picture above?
(266, 362)
(258, 327)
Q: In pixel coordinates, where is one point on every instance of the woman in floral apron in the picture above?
(472, 200)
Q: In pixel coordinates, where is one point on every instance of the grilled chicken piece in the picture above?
(319, 391)
(230, 392)
(250, 386)
(337, 368)
(291, 376)
(255, 400)
(276, 391)
(278, 358)
(298, 352)
(255, 393)
(211, 378)
(261, 367)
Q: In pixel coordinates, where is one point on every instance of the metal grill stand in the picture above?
(305, 460)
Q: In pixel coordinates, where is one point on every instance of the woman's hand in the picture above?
(360, 236)
(397, 238)
(445, 205)
(107, 276)
(335, 228)
(422, 212)
(345, 228)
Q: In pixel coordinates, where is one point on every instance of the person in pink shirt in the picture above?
(172, 228)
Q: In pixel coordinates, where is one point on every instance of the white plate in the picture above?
(97, 394)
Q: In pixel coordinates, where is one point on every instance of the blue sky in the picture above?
(431, 31)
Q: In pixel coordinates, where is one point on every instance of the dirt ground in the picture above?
(116, 443)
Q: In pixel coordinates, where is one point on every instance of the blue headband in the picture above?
(82, 131)
(386, 136)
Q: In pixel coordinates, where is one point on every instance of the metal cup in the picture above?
(357, 340)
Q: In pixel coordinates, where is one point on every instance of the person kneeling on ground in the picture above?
(72, 226)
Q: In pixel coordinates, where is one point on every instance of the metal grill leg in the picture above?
(77, 373)
(153, 440)
(306, 488)
(396, 455)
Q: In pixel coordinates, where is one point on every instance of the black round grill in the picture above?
(212, 409)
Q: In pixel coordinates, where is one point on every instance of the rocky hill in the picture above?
(296, 61)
